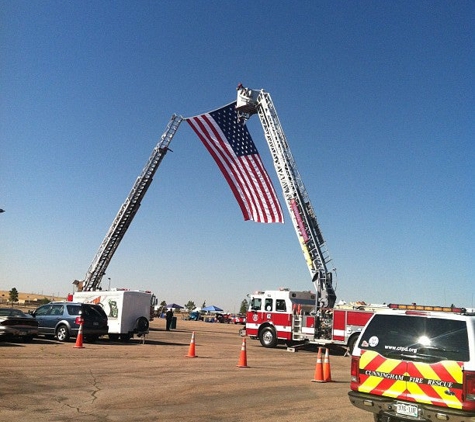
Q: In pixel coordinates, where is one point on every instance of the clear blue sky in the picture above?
(376, 99)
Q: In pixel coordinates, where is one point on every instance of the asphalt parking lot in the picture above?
(154, 381)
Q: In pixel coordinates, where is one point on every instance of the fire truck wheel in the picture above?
(268, 337)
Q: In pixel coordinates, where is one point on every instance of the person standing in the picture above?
(169, 318)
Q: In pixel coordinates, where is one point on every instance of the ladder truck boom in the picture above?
(127, 211)
(298, 203)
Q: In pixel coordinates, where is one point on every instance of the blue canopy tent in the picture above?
(212, 308)
(173, 306)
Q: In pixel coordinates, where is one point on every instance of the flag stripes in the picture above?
(236, 156)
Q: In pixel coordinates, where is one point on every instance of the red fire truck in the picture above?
(291, 317)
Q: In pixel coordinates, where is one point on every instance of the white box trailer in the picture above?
(128, 311)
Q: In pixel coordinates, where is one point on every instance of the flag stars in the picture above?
(236, 133)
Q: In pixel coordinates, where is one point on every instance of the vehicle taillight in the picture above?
(355, 369)
(78, 320)
(469, 383)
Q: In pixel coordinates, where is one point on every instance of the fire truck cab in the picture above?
(270, 317)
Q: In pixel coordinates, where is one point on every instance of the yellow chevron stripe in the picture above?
(373, 381)
(366, 358)
(417, 392)
(396, 389)
(454, 369)
(414, 389)
(426, 370)
(388, 366)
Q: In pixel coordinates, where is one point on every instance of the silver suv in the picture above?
(62, 320)
(416, 363)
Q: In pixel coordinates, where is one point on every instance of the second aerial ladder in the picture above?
(128, 210)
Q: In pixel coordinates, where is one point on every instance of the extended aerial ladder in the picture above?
(127, 211)
(303, 217)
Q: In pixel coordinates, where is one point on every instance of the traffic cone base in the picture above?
(191, 350)
(79, 338)
(318, 376)
(243, 356)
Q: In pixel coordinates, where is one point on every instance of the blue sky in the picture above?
(376, 100)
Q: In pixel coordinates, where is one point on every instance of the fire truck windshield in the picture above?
(256, 304)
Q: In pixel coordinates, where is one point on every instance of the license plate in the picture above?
(407, 409)
(95, 323)
(22, 333)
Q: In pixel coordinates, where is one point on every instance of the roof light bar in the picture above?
(415, 307)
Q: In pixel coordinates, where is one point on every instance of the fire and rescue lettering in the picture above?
(438, 383)
(407, 378)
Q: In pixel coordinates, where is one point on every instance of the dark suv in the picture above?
(62, 320)
(416, 363)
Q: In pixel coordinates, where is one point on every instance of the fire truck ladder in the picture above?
(128, 210)
(296, 197)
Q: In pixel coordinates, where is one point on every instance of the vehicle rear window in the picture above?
(92, 311)
(11, 312)
(74, 309)
(427, 339)
(100, 310)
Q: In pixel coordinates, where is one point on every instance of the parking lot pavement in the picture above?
(153, 381)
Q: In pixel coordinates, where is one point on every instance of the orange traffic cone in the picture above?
(243, 356)
(327, 376)
(191, 350)
(318, 377)
(79, 339)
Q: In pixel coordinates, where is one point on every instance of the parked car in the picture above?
(416, 363)
(16, 324)
(240, 319)
(62, 320)
(195, 316)
(224, 318)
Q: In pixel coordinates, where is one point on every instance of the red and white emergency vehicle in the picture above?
(290, 316)
(296, 317)
(421, 369)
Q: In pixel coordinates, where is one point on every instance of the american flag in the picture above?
(230, 144)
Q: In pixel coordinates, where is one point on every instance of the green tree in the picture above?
(13, 295)
(244, 306)
(161, 309)
(190, 306)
